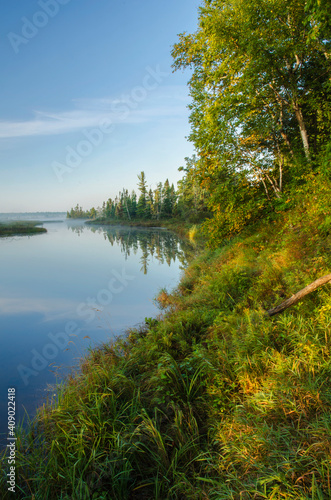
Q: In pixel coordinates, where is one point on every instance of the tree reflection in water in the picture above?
(153, 243)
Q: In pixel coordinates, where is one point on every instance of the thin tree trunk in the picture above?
(281, 174)
(265, 187)
(303, 130)
(299, 117)
(281, 164)
(298, 296)
(260, 173)
(274, 186)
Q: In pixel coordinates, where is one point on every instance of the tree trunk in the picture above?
(298, 296)
(303, 130)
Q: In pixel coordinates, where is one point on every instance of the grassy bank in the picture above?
(18, 228)
(214, 401)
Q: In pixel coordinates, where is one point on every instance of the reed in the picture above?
(18, 228)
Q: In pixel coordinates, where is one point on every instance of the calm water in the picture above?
(70, 289)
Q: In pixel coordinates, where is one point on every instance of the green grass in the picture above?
(17, 228)
(214, 400)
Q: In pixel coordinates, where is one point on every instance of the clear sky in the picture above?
(88, 99)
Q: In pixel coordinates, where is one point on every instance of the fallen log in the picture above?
(299, 295)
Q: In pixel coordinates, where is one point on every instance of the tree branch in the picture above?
(298, 296)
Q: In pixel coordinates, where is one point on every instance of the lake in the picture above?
(72, 288)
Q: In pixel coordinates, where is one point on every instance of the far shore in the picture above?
(19, 228)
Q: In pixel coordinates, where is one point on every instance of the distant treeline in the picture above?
(164, 202)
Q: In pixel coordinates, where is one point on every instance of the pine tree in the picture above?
(167, 204)
(133, 203)
(142, 202)
(108, 211)
(158, 197)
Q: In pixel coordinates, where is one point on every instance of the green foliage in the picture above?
(260, 110)
(79, 213)
(192, 197)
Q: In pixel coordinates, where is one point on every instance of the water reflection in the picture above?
(61, 277)
(152, 243)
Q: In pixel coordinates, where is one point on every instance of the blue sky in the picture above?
(88, 99)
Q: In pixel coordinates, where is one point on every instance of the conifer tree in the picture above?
(142, 202)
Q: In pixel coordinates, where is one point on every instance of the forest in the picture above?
(164, 202)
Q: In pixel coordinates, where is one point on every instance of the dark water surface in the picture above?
(72, 288)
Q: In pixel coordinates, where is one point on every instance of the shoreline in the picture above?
(19, 228)
(190, 230)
